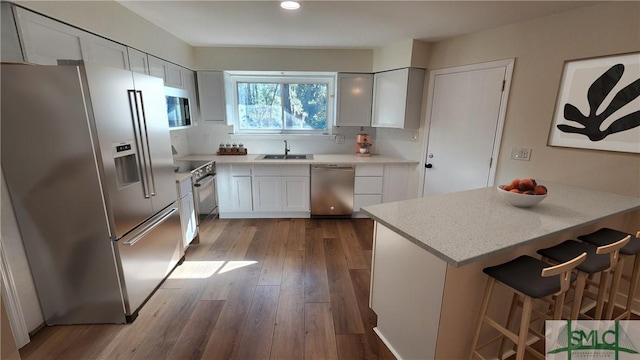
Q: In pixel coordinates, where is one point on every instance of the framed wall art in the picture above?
(598, 104)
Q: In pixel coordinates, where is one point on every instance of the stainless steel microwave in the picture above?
(178, 110)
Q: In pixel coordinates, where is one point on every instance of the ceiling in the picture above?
(335, 24)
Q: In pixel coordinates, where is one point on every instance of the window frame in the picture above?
(280, 77)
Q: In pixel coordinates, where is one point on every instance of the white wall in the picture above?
(541, 47)
(272, 59)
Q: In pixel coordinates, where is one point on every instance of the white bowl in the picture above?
(520, 200)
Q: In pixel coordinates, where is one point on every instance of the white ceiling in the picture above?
(335, 24)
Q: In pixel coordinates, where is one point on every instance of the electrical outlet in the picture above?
(339, 139)
(520, 154)
(207, 138)
(414, 136)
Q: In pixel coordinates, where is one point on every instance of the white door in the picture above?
(466, 116)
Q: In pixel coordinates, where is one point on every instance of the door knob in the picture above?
(428, 166)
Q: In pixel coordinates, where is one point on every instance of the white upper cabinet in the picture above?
(105, 52)
(10, 42)
(171, 73)
(45, 41)
(138, 61)
(211, 95)
(355, 96)
(397, 98)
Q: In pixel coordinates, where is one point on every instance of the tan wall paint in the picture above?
(394, 56)
(541, 47)
(274, 59)
(115, 22)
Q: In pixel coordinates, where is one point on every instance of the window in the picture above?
(283, 103)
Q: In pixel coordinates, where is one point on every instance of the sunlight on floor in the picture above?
(206, 269)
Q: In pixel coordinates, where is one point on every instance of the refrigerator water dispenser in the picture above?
(124, 157)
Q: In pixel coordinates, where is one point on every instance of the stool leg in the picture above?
(633, 285)
(483, 312)
(512, 309)
(523, 333)
(602, 289)
(613, 293)
(577, 295)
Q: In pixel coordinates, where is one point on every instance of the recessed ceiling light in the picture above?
(290, 5)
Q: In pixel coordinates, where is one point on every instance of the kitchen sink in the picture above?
(283, 157)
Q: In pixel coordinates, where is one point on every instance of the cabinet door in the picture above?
(138, 61)
(157, 68)
(355, 96)
(389, 102)
(45, 41)
(187, 218)
(11, 51)
(173, 75)
(397, 98)
(267, 193)
(211, 95)
(241, 193)
(295, 193)
(104, 52)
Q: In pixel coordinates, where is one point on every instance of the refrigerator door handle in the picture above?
(146, 133)
(149, 228)
(135, 116)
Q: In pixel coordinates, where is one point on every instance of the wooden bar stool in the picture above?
(606, 236)
(600, 260)
(531, 279)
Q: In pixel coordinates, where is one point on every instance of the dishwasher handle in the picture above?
(333, 167)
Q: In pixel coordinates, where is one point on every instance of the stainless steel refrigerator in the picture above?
(87, 158)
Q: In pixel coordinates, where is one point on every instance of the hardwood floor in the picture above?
(251, 289)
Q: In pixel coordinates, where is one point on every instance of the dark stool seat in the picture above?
(569, 249)
(531, 279)
(523, 274)
(606, 236)
(602, 259)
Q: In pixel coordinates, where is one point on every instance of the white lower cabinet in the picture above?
(187, 211)
(267, 193)
(241, 193)
(377, 184)
(296, 193)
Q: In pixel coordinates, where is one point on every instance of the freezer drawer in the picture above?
(148, 255)
(332, 190)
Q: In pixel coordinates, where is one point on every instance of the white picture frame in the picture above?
(598, 106)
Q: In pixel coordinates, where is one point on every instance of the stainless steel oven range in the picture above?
(203, 178)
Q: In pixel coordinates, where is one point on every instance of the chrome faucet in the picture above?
(286, 149)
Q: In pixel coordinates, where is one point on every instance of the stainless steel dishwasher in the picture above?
(332, 190)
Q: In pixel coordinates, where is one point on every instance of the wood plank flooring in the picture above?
(251, 289)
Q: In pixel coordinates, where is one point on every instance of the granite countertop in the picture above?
(467, 226)
(317, 159)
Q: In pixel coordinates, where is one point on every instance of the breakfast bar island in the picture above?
(427, 280)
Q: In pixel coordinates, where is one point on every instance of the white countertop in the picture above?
(467, 226)
(180, 176)
(317, 159)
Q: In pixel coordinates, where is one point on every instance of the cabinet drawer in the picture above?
(184, 187)
(240, 170)
(365, 200)
(295, 170)
(369, 169)
(368, 185)
(267, 170)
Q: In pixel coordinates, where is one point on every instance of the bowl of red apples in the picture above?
(522, 192)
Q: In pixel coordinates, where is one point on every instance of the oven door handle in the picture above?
(205, 181)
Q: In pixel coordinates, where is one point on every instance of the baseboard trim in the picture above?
(387, 343)
(12, 303)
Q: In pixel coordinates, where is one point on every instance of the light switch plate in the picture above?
(521, 154)
(339, 139)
